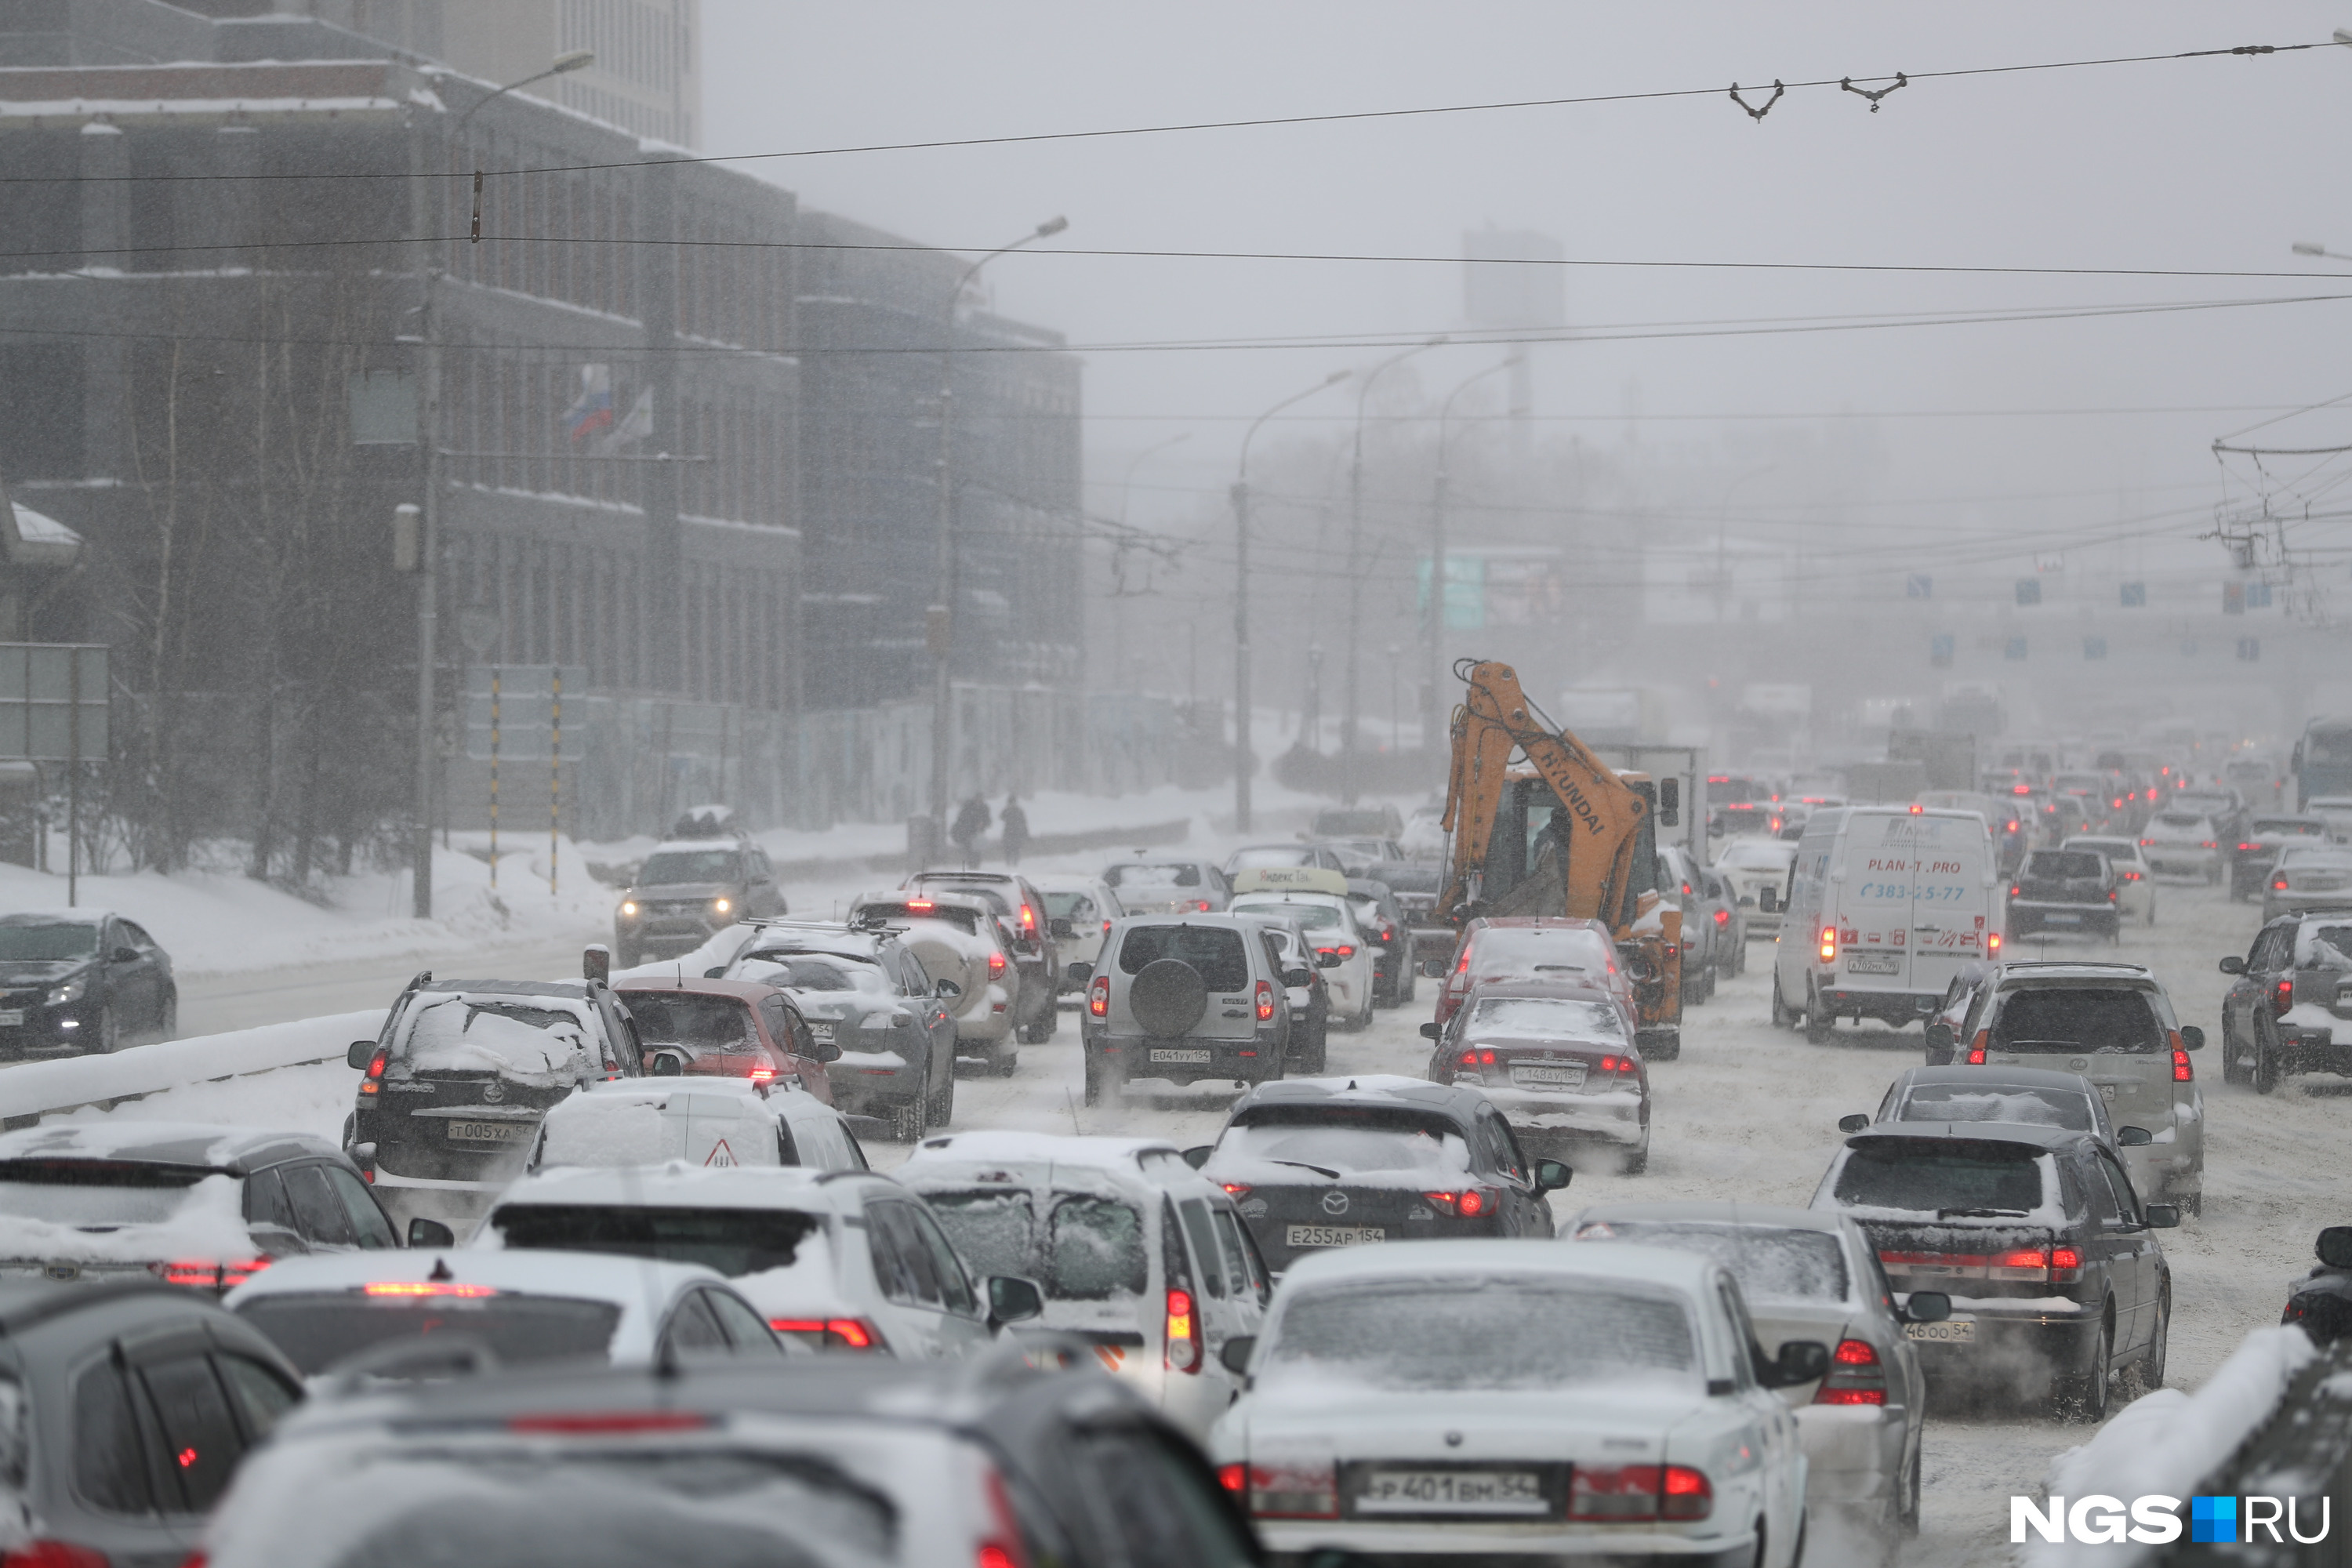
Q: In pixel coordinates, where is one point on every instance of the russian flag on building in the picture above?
(591, 412)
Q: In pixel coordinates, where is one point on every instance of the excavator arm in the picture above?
(1602, 827)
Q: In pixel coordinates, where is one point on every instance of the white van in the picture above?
(1885, 905)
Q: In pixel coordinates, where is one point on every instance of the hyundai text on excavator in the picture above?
(1561, 834)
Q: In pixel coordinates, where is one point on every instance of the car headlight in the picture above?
(71, 991)
(721, 906)
(628, 909)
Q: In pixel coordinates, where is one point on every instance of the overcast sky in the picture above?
(2209, 163)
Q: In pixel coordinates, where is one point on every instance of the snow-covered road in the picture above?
(1749, 1110)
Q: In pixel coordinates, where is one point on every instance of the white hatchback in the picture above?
(1341, 950)
(1399, 1403)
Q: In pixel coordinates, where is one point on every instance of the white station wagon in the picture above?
(1497, 1399)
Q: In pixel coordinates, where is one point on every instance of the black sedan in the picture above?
(1332, 1161)
(82, 981)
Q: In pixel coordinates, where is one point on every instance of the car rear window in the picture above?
(1508, 951)
(2180, 822)
(1471, 1333)
(2033, 1107)
(2324, 947)
(1153, 876)
(464, 1034)
(683, 1018)
(2064, 863)
(811, 972)
(1089, 1249)
(1772, 1263)
(1949, 1178)
(2289, 826)
(316, 1331)
(2070, 1020)
(1353, 1139)
(102, 1192)
(1217, 951)
(993, 894)
(1546, 1017)
(733, 1241)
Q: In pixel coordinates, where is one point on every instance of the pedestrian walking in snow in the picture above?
(1014, 824)
(970, 821)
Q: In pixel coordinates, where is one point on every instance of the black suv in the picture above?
(453, 1089)
(2064, 890)
(1290, 1149)
(1021, 908)
(133, 1405)
(82, 981)
(2043, 1216)
(685, 893)
(2289, 1009)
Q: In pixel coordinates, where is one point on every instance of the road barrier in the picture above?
(35, 1089)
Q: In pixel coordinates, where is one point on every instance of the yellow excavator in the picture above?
(1563, 834)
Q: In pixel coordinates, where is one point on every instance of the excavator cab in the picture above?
(1530, 823)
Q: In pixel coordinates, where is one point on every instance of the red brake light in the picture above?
(425, 1288)
(2242, 848)
(1992, 942)
(1919, 811)
(2181, 1071)
(761, 1074)
(1264, 1000)
(1028, 919)
(1183, 1333)
(374, 1083)
(1723, 917)
(1622, 1493)
(1829, 944)
(1977, 1048)
(2279, 886)
(921, 904)
(830, 1333)
(1857, 1377)
(1855, 1353)
(2015, 891)
(1098, 996)
(1688, 1496)
(995, 965)
(1202, 905)
(2064, 1258)
(1233, 1478)
(1234, 1189)
(2282, 995)
(1295, 1491)
(596, 1423)
(1474, 1203)
(65, 1554)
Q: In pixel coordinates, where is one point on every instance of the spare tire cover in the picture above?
(1168, 998)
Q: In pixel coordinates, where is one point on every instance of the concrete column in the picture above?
(665, 616)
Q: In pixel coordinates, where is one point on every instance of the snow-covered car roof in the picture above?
(1363, 1089)
(727, 841)
(677, 1182)
(1136, 1165)
(82, 916)
(1722, 1211)
(628, 1283)
(232, 1150)
(1684, 1271)
(720, 1121)
(831, 939)
(2031, 971)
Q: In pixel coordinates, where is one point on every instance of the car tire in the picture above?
(1637, 1160)
(910, 1120)
(167, 1027)
(109, 1031)
(1404, 998)
(2148, 1371)
(941, 1108)
(1004, 1061)
(1783, 1016)
(2265, 1073)
(1817, 1021)
(2081, 1394)
(1094, 1069)
(2151, 910)
(2233, 1071)
(1907, 1506)
(1312, 1053)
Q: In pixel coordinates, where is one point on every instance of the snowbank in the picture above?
(27, 1093)
(2168, 1442)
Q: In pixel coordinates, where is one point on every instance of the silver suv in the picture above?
(1186, 999)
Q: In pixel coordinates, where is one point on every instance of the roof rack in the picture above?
(2073, 964)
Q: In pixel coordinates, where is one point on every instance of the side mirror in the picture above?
(422, 1232)
(1235, 1353)
(1926, 1307)
(668, 1064)
(2233, 964)
(2134, 1137)
(1553, 1176)
(1198, 1155)
(1432, 969)
(1012, 1299)
(826, 1051)
(2162, 1216)
(2192, 1039)
(1939, 1037)
(1767, 900)
(125, 954)
(947, 990)
(1059, 928)
(1327, 961)
(360, 1053)
(1670, 801)
(1800, 1361)
(2335, 1248)
(1857, 1123)
(1077, 974)
(718, 973)
(1432, 1031)
(1299, 977)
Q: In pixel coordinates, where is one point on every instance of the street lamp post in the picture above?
(1242, 759)
(938, 627)
(1356, 566)
(428, 526)
(1436, 624)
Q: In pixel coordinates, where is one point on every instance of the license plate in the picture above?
(1333, 1234)
(1507, 1492)
(2064, 920)
(1548, 1078)
(492, 1131)
(1184, 1054)
(1873, 963)
(1960, 1332)
(11, 1018)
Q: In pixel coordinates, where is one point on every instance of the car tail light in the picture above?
(65, 1554)
(1308, 1491)
(1183, 1333)
(1028, 921)
(1723, 917)
(2242, 848)
(2208, 844)
(601, 1423)
(1468, 1204)
(995, 966)
(920, 904)
(1992, 942)
(2015, 892)
(1478, 1058)
(2279, 886)
(1003, 1547)
(1233, 1478)
(1687, 1494)
(374, 1083)
(1474, 1203)
(1264, 1000)
(2183, 1072)
(1857, 1377)
(1202, 905)
(2025, 1263)
(831, 1333)
(1622, 1493)
(2147, 843)
(1098, 996)
(2131, 876)
(1977, 1048)
(206, 1274)
(1829, 944)
(1105, 928)
(2283, 997)
(1236, 1189)
(426, 1287)
(761, 1074)
(2065, 1266)
(2119, 802)
(2111, 895)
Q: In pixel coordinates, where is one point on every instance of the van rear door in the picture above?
(1917, 901)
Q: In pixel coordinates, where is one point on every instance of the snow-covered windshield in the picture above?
(1526, 952)
(674, 866)
(46, 942)
(96, 1193)
(1471, 1332)
(318, 1330)
(1750, 856)
(734, 1241)
(1546, 1017)
(1089, 1249)
(1065, 906)
(1148, 877)
(1944, 1177)
(2065, 1020)
(813, 972)
(1351, 1140)
(683, 1018)
(462, 1034)
(1268, 855)
(1772, 1263)
(1311, 915)
(2064, 863)
(1999, 1102)
(2285, 828)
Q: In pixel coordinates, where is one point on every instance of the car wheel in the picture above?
(941, 1110)
(1907, 1514)
(1817, 1021)
(1404, 998)
(909, 1119)
(2151, 910)
(109, 1031)
(1094, 1079)
(1782, 1016)
(2233, 1071)
(1004, 1061)
(167, 1027)
(1637, 1160)
(1314, 1048)
(2266, 1067)
(2148, 1371)
(2082, 1396)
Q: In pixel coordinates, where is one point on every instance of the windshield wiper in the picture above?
(1981, 1214)
(1303, 1165)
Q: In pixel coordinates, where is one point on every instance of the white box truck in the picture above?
(1886, 904)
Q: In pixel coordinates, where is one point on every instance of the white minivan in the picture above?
(1887, 904)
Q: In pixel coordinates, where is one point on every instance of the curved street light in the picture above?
(1437, 583)
(1356, 562)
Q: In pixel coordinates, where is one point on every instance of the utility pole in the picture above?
(1355, 569)
(1436, 624)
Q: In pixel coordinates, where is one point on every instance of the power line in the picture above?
(1258, 123)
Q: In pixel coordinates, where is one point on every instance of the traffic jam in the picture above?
(1367, 1232)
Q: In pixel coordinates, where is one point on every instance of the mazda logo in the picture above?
(1335, 1202)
